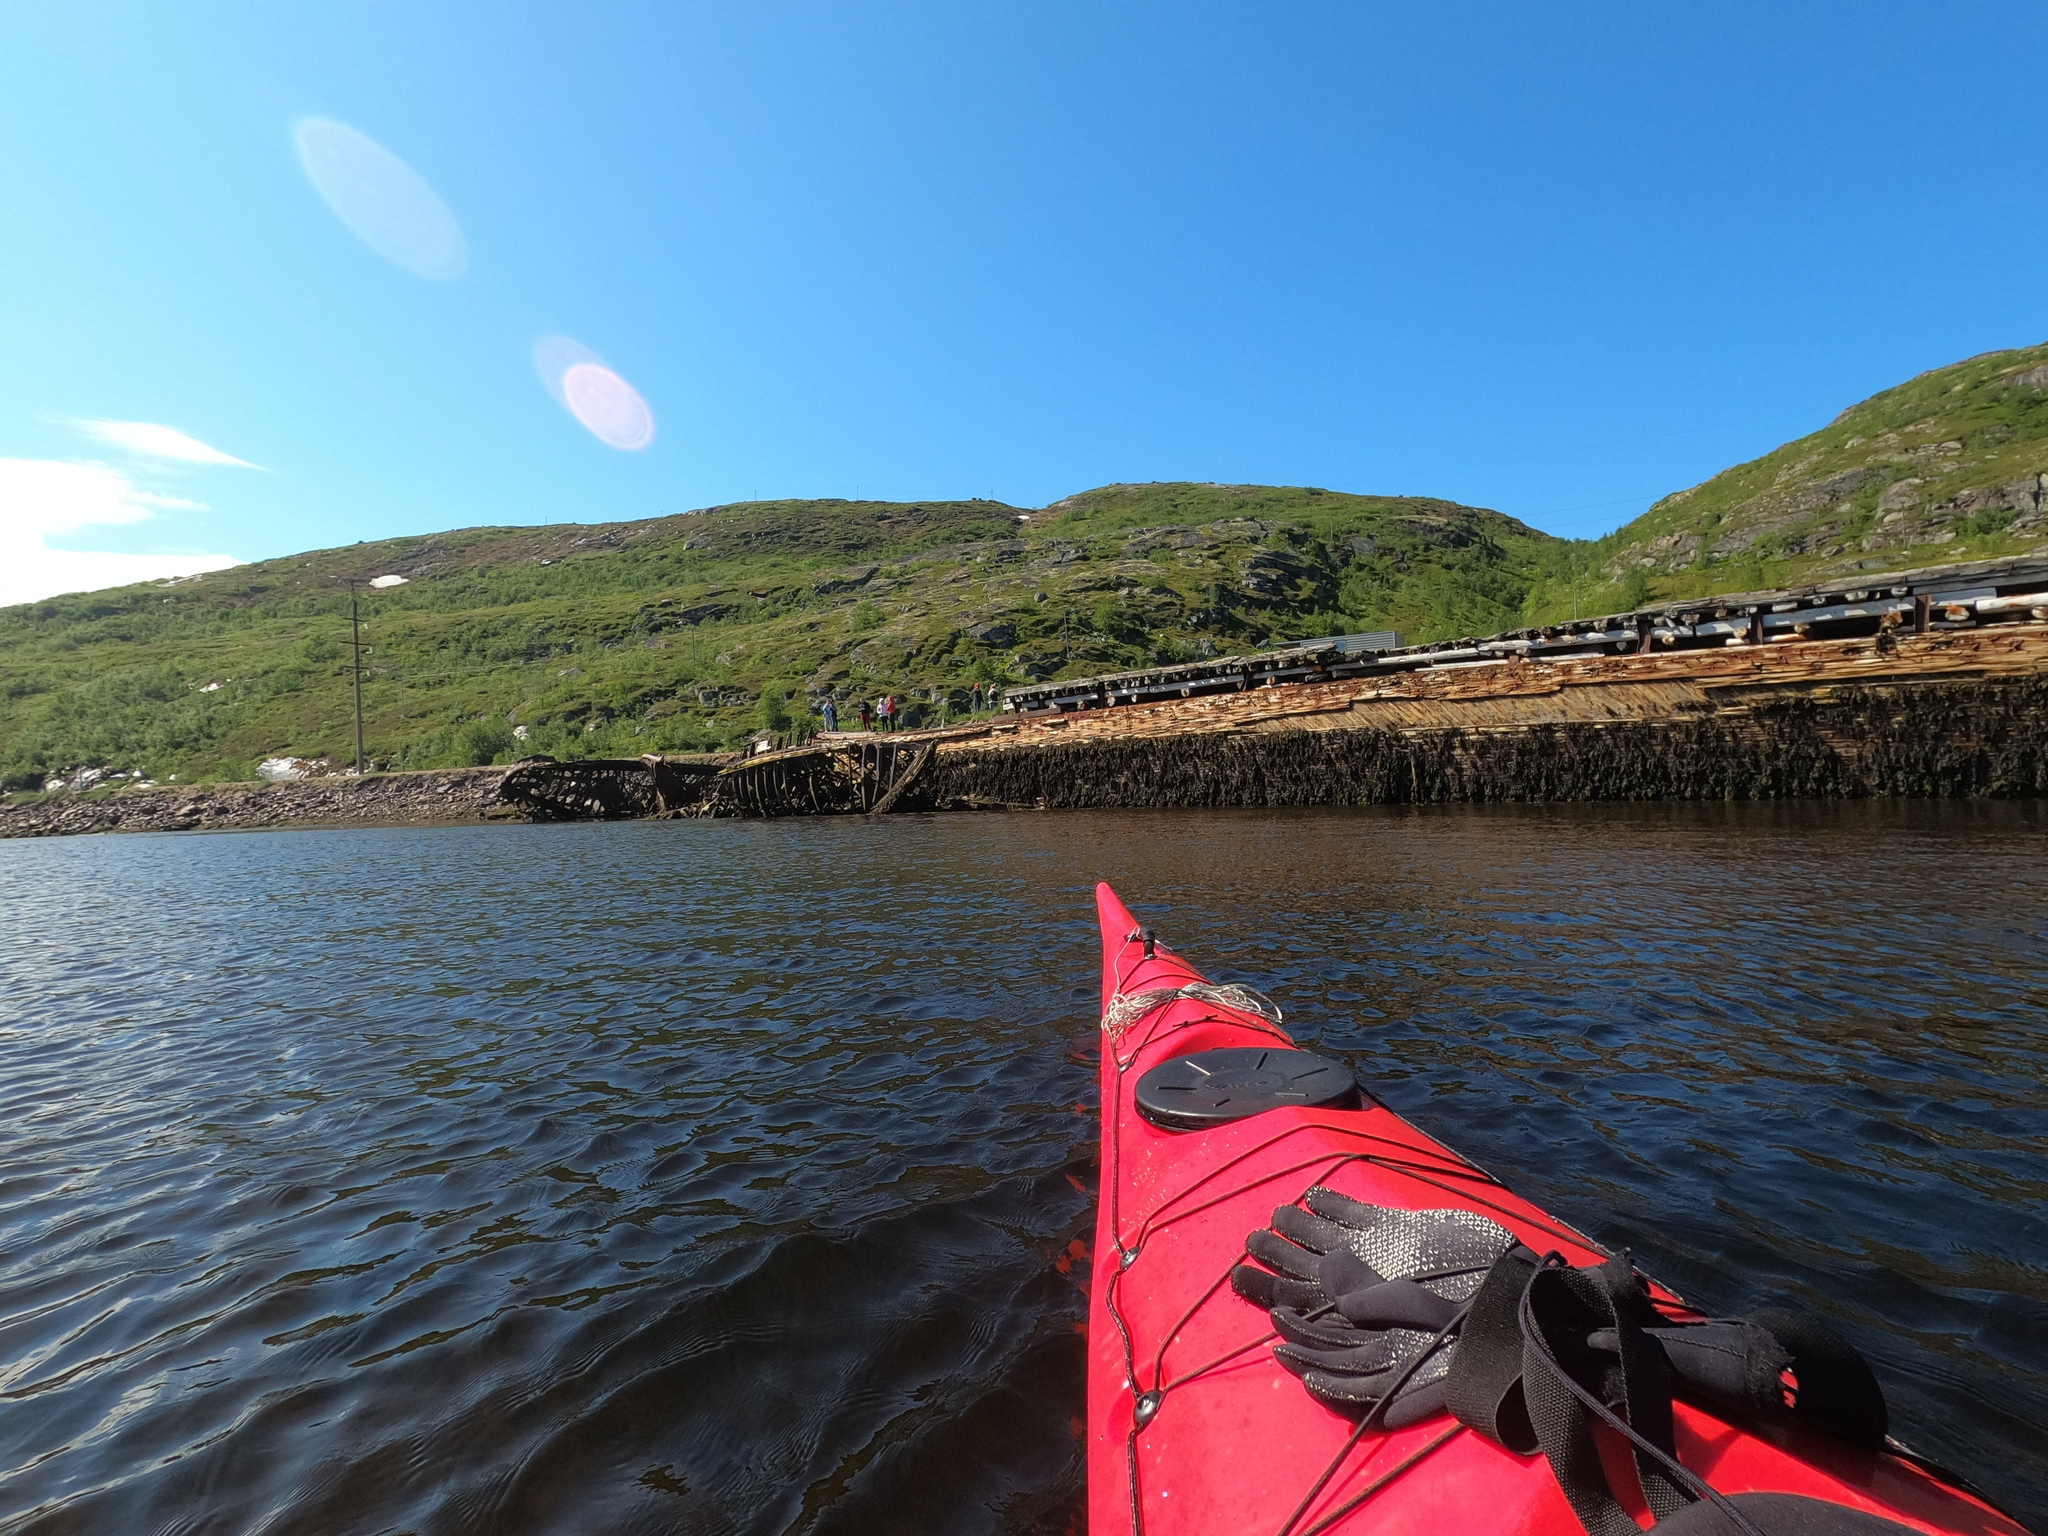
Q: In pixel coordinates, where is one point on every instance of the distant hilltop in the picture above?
(688, 632)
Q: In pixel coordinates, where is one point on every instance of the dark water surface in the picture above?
(711, 1177)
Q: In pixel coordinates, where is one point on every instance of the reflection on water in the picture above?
(712, 1176)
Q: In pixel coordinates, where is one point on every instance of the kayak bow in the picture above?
(1193, 1426)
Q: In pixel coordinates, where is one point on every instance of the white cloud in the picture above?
(41, 497)
(159, 442)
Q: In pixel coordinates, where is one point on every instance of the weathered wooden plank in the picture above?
(918, 763)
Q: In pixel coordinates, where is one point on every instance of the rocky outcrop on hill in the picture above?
(443, 795)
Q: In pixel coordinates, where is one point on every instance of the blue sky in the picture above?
(1556, 260)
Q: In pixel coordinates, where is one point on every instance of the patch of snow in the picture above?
(388, 581)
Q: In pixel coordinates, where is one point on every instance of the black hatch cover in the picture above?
(1190, 1093)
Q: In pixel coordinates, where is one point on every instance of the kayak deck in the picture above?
(1193, 1426)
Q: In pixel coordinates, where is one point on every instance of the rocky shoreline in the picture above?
(378, 799)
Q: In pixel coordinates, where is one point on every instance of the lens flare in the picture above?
(609, 407)
(384, 201)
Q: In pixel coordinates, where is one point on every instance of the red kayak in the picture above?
(1238, 1170)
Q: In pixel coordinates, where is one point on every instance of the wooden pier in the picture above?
(610, 789)
(836, 773)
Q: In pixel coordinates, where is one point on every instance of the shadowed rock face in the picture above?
(1952, 462)
(843, 581)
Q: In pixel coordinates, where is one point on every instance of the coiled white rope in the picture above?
(1127, 1010)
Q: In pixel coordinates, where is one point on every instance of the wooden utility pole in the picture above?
(355, 625)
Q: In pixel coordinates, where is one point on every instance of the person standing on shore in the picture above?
(885, 706)
(867, 718)
(830, 712)
(975, 694)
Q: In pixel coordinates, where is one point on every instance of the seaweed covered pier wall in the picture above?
(1960, 713)
(1943, 740)
(1957, 712)
(1931, 682)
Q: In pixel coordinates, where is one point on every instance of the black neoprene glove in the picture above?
(1367, 1299)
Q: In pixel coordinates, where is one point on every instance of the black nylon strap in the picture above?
(1566, 1305)
(1645, 1381)
(1484, 1387)
(1539, 1352)
(1566, 1435)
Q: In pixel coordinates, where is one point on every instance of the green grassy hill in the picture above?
(1952, 465)
(690, 632)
